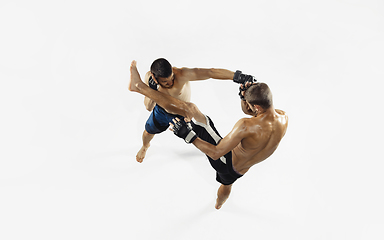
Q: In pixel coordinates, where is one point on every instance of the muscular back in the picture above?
(263, 135)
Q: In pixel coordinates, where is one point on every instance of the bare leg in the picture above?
(147, 137)
(169, 103)
(222, 195)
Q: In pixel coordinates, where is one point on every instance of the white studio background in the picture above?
(70, 129)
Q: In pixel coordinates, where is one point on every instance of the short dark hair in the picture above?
(161, 68)
(259, 94)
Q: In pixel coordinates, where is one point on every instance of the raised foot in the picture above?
(135, 79)
(141, 154)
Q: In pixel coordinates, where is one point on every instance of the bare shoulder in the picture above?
(242, 123)
(281, 112)
(178, 71)
(250, 125)
(238, 131)
(240, 126)
(283, 120)
(184, 74)
(184, 71)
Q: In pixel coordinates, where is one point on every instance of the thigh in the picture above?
(195, 112)
(153, 127)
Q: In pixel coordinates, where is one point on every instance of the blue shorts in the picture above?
(159, 120)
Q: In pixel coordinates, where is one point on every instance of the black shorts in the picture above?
(225, 173)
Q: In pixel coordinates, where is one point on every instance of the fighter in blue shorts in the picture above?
(172, 81)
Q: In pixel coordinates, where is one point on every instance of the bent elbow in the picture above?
(216, 155)
(149, 108)
(149, 105)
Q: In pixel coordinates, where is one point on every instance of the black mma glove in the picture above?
(152, 84)
(184, 130)
(241, 78)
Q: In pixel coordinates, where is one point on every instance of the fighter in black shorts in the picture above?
(225, 173)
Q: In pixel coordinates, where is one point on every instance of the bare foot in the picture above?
(220, 202)
(222, 195)
(141, 154)
(135, 79)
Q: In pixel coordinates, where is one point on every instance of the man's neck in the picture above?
(270, 110)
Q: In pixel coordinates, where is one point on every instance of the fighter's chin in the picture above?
(170, 86)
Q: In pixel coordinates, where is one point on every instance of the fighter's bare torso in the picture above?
(181, 88)
(264, 134)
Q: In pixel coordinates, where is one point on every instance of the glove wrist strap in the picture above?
(236, 77)
(190, 137)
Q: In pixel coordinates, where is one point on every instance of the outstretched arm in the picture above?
(195, 74)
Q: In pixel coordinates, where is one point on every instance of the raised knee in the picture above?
(193, 111)
(145, 133)
(191, 108)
